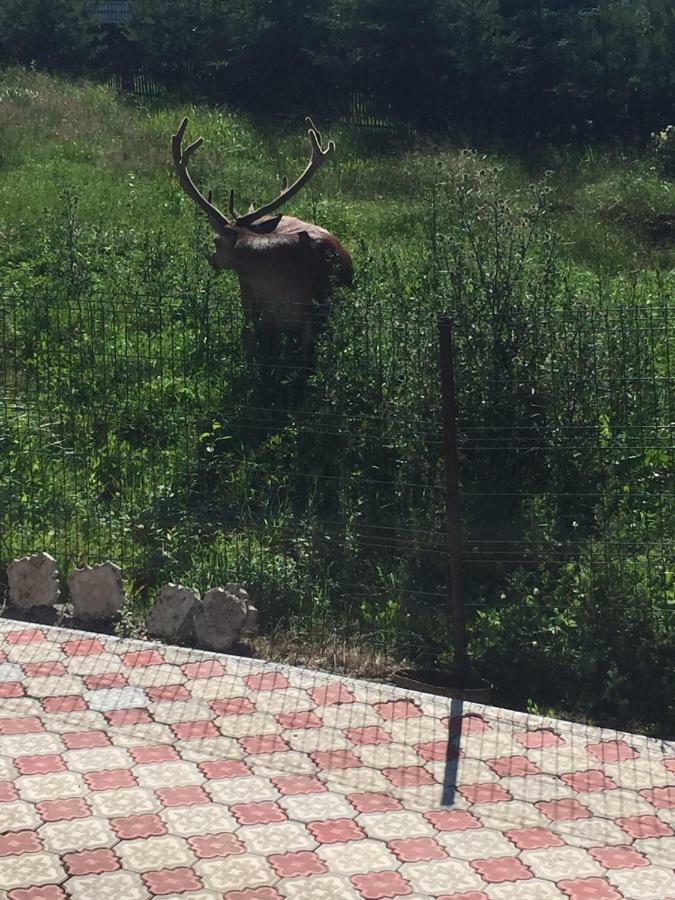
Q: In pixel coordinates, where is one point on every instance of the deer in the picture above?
(287, 268)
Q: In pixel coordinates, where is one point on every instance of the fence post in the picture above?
(455, 594)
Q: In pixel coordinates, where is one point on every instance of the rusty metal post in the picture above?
(455, 596)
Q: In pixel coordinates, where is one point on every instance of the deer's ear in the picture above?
(266, 226)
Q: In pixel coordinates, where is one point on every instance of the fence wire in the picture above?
(139, 430)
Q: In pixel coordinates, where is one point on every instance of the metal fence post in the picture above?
(455, 596)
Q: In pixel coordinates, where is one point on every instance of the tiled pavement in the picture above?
(129, 770)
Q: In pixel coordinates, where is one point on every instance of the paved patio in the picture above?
(131, 770)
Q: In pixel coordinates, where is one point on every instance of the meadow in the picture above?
(134, 428)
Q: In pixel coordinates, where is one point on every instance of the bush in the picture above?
(663, 145)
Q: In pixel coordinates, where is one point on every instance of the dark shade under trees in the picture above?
(560, 69)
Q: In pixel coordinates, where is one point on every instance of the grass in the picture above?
(134, 428)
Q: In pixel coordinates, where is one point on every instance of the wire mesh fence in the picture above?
(141, 429)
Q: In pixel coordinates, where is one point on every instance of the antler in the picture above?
(317, 159)
(181, 158)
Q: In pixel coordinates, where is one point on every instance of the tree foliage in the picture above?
(61, 34)
(563, 69)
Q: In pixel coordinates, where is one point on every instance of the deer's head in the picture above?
(258, 221)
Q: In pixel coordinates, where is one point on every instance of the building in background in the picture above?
(112, 12)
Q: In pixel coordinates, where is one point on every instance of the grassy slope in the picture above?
(114, 156)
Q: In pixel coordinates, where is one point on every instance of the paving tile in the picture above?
(497, 870)
(319, 887)
(644, 826)
(216, 846)
(557, 863)
(314, 806)
(21, 706)
(436, 877)
(292, 700)
(147, 854)
(124, 802)
(624, 857)
(187, 795)
(8, 792)
(589, 889)
(29, 869)
(198, 819)
(652, 883)
(166, 881)
(476, 844)
(182, 712)
(78, 834)
(386, 756)
(588, 833)
(362, 778)
(357, 857)
(48, 892)
(91, 862)
(390, 826)
(130, 770)
(108, 886)
(97, 756)
(19, 814)
(659, 850)
(14, 843)
(377, 886)
(240, 789)
(286, 761)
(144, 825)
(240, 873)
(167, 774)
(534, 889)
(276, 837)
(208, 748)
(297, 863)
(130, 735)
(63, 809)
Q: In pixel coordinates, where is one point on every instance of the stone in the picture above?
(172, 615)
(96, 591)
(224, 617)
(33, 581)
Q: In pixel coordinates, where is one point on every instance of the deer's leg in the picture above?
(250, 341)
(250, 336)
(308, 346)
(269, 339)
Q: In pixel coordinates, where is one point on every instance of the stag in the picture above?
(287, 268)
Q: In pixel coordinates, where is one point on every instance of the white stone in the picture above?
(224, 617)
(172, 615)
(96, 591)
(33, 581)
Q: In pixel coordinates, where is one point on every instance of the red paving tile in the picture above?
(301, 863)
(216, 846)
(262, 813)
(380, 885)
(453, 820)
(91, 862)
(141, 826)
(496, 871)
(14, 843)
(230, 778)
(417, 849)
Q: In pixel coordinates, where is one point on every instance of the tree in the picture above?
(181, 41)
(397, 53)
(282, 56)
(59, 35)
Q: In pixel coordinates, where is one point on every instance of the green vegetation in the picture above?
(133, 427)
